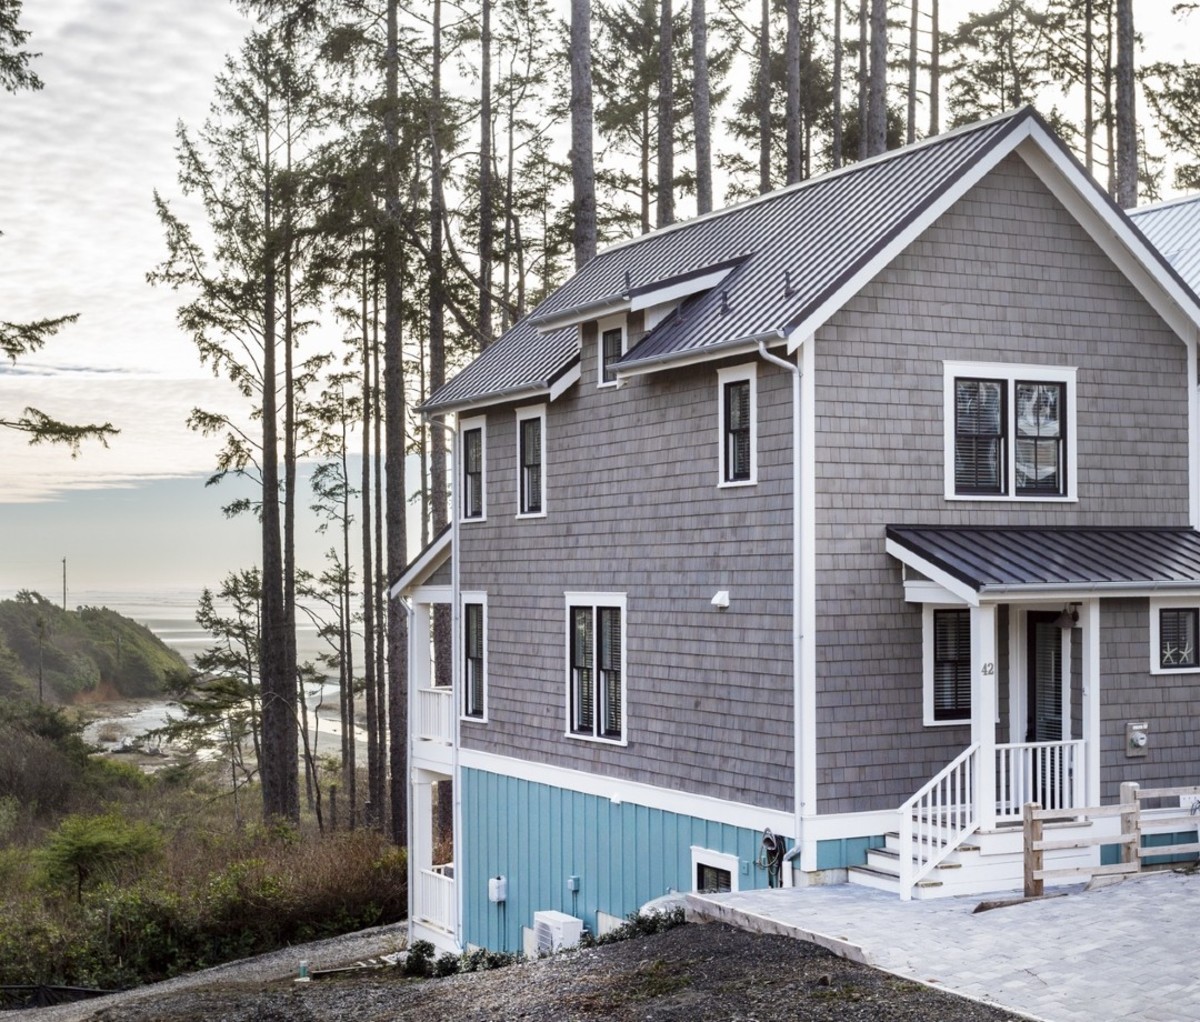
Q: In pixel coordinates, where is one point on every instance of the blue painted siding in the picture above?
(842, 853)
(537, 836)
(1110, 855)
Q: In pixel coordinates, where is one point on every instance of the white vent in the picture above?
(556, 930)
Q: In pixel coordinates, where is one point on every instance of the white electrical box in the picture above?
(556, 930)
(497, 890)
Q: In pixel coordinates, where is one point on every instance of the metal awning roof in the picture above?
(1048, 561)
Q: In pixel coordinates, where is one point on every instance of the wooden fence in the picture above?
(1133, 804)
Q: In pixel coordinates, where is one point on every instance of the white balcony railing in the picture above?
(1049, 773)
(937, 819)
(435, 714)
(434, 901)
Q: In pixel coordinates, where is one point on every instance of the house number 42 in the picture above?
(988, 668)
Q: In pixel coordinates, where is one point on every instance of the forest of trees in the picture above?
(386, 187)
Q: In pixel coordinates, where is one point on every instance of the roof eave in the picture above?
(693, 356)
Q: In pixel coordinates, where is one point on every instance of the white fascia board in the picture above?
(581, 314)
(935, 574)
(427, 562)
(711, 353)
(565, 382)
(921, 590)
(703, 807)
(954, 191)
(680, 289)
(1112, 234)
(480, 404)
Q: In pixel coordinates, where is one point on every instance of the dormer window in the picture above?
(610, 348)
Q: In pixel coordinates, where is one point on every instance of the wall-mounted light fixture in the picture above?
(1068, 619)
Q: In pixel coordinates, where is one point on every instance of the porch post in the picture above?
(983, 709)
(1091, 701)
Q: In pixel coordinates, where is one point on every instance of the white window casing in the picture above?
(614, 327)
(1157, 665)
(717, 860)
(473, 704)
(737, 456)
(590, 704)
(473, 426)
(531, 463)
(1008, 375)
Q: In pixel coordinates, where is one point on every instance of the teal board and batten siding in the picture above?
(536, 836)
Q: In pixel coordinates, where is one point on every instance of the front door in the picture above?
(1044, 719)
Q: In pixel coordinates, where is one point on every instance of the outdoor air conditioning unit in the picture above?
(556, 930)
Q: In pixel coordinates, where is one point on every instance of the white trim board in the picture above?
(617, 790)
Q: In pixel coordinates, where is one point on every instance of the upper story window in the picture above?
(474, 656)
(595, 666)
(531, 461)
(1174, 636)
(474, 499)
(1010, 432)
(612, 347)
(738, 418)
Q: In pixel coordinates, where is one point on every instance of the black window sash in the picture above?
(582, 684)
(1041, 437)
(1178, 630)
(610, 352)
(473, 473)
(980, 435)
(737, 431)
(473, 658)
(951, 665)
(531, 466)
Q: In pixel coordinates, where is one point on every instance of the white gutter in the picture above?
(797, 626)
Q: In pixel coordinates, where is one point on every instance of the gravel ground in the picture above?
(694, 973)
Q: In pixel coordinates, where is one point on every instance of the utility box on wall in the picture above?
(1137, 739)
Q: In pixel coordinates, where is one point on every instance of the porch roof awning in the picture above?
(977, 563)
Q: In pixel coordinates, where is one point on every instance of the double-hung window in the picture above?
(474, 626)
(474, 500)
(738, 430)
(595, 666)
(947, 665)
(1174, 636)
(1009, 432)
(612, 347)
(531, 461)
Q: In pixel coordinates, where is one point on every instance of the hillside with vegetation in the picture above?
(61, 655)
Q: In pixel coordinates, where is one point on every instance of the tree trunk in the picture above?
(764, 99)
(393, 390)
(877, 90)
(701, 112)
(837, 84)
(583, 173)
(485, 176)
(374, 792)
(935, 74)
(792, 117)
(863, 22)
(1127, 147)
(913, 54)
(666, 119)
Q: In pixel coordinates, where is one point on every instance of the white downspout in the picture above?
(797, 592)
(409, 659)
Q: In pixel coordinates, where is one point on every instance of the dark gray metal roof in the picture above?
(1174, 227)
(799, 245)
(1082, 559)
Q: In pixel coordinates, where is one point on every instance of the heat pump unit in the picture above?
(556, 930)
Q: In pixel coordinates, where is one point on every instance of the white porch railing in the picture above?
(434, 901)
(435, 714)
(937, 819)
(1049, 773)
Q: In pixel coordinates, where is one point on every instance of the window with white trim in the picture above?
(473, 433)
(595, 666)
(1010, 431)
(531, 461)
(1174, 636)
(947, 655)
(737, 416)
(474, 626)
(611, 348)
(714, 872)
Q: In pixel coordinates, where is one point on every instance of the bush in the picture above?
(419, 960)
(96, 847)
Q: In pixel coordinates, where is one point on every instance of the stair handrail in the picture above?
(920, 857)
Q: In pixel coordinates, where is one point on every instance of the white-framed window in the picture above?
(473, 472)
(610, 346)
(737, 430)
(1175, 636)
(947, 665)
(1009, 431)
(474, 654)
(595, 647)
(531, 461)
(714, 872)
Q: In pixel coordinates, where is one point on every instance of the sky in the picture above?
(79, 163)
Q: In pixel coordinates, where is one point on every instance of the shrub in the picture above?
(91, 847)
(419, 960)
(446, 965)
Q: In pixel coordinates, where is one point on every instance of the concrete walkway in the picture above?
(1127, 951)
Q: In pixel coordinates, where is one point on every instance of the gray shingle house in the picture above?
(867, 503)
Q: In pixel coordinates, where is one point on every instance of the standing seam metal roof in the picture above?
(1174, 227)
(800, 245)
(1014, 558)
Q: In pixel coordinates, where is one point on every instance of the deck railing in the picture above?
(937, 819)
(1049, 773)
(435, 714)
(434, 901)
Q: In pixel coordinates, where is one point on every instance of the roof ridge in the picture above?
(1179, 200)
